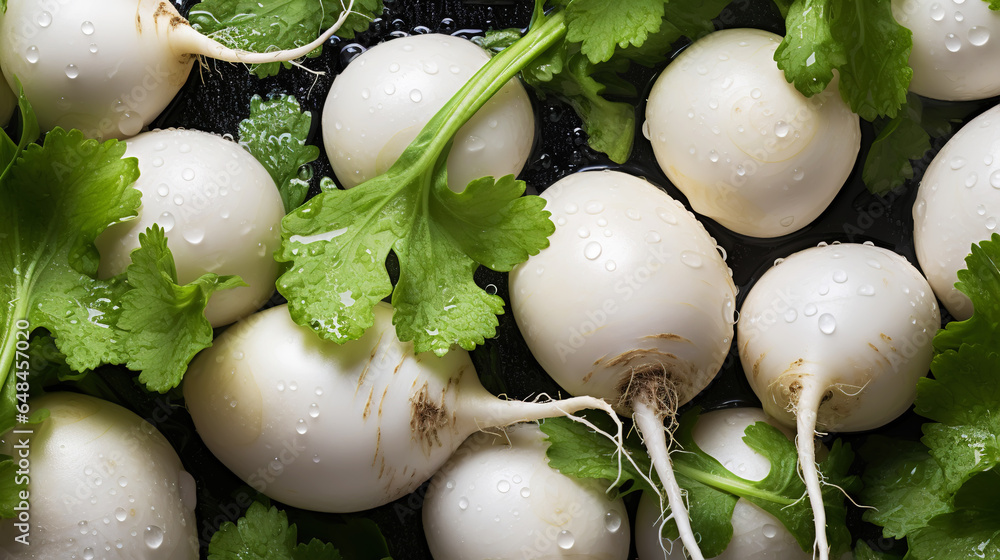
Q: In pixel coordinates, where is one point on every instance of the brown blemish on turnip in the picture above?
(669, 337)
(427, 417)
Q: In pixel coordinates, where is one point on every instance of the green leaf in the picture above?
(972, 531)
(860, 39)
(11, 485)
(264, 534)
(783, 7)
(576, 451)
(888, 163)
(694, 17)
(10, 151)
(864, 552)
(278, 24)
(601, 26)
(275, 134)
(809, 52)
(994, 4)
(903, 484)
(981, 282)
(165, 321)
(337, 243)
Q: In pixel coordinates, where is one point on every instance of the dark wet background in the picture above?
(218, 97)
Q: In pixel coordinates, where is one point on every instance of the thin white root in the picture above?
(651, 428)
(806, 413)
(185, 40)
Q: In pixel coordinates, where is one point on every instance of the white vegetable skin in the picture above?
(382, 100)
(498, 498)
(836, 337)
(955, 44)
(284, 409)
(746, 148)
(631, 302)
(957, 205)
(219, 208)
(104, 484)
(757, 535)
(108, 67)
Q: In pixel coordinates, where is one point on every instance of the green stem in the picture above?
(728, 485)
(485, 83)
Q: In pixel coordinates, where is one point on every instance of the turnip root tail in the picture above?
(806, 411)
(650, 426)
(184, 39)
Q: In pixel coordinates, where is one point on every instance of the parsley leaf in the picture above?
(994, 4)
(264, 534)
(165, 321)
(576, 451)
(278, 24)
(971, 531)
(600, 26)
(899, 140)
(864, 552)
(860, 39)
(981, 282)
(275, 134)
(903, 484)
(337, 243)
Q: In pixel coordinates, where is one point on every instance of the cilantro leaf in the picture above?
(864, 552)
(809, 52)
(888, 163)
(338, 241)
(694, 17)
(576, 451)
(264, 534)
(275, 134)
(11, 486)
(972, 530)
(601, 26)
(278, 24)
(981, 282)
(860, 39)
(165, 322)
(904, 485)
(994, 4)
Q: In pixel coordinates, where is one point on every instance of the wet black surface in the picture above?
(217, 98)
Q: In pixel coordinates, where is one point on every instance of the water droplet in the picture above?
(610, 266)
(153, 536)
(937, 12)
(31, 55)
(981, 209)
(770, 531)
(740, 170)
(713, 104)
(612, 521)
(995, 179)
(713, 156)
(691, 259)
(840, 276)
(565, 540)
(971, 180)
(301, 427)
(991, 223)
(430, 68)
(866, 290)
(809, 310)
(645, 129)
(653, 237)
(93, 48)
(667, 216)
(503, 487)
(525, 492)
(394, 67)
(583, 232)
(454, 69)
(979, 36)
(592, 250)
(571, 208)
(88, 553)
(83, 527)
(827, 324)
(389, 89)
(130, 123)
(313, 410)
(560, 221)
(44, 19)
(952, 42)
(120, 514)
(463, 503)
(957, 163)
(781, 129)
(72, 71)
(755, 93)
(475, 144)
(416, 96)
(122, 481)
(791, 316)
(702, 69)
(823, 290)
(366, 93)
(87, 28)
(594, 207)
(166, 221)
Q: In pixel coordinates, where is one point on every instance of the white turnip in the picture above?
(958, 204)
(631, 302)
(283, 409)
(498, 498)
(219, 208)
(109, 67)
(835, 337)
(745, 147)
(103, 484)
(379, 103)
(955, 44)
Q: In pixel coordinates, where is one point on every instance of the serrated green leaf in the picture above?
(600, 26)
(972, 531)
(981, 282)
(809, 52)
(275, 134)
